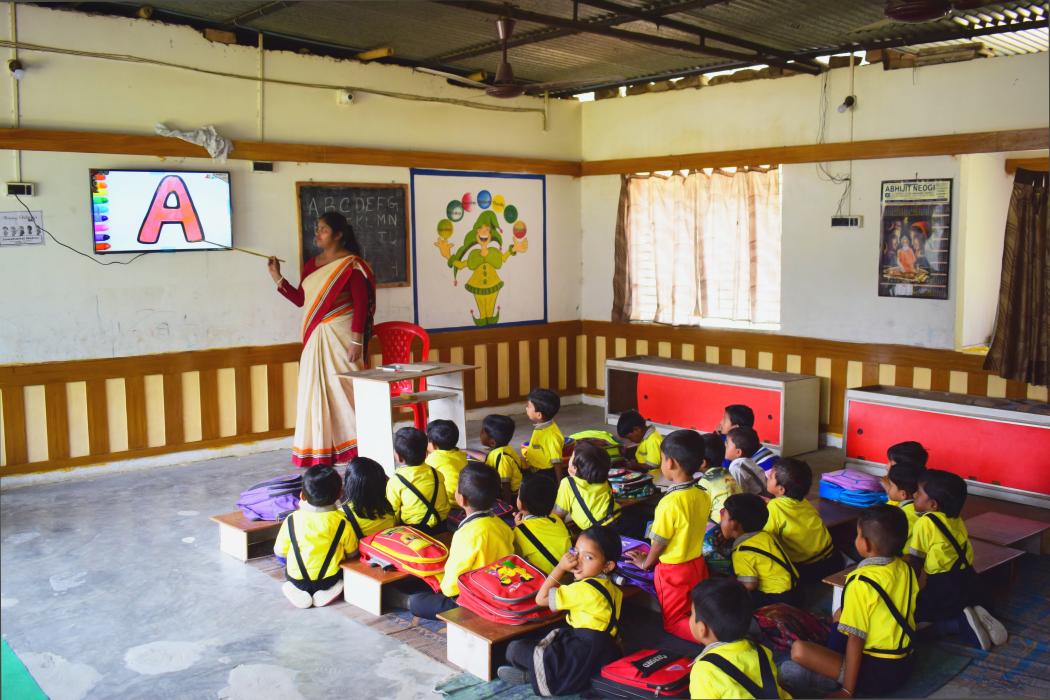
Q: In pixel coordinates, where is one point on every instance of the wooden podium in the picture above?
(374, 405)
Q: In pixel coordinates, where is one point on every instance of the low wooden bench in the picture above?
(246, 539)
(1008, 530)
(986, 557)
(835, 514)
(363, 583)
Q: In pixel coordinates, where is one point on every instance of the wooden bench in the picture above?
(986, 557)
(246, 539)
(1008, 530)
(835, 514)
(363, 583)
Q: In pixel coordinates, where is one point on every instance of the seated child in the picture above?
(713, 477)
(540, 538)
(417, 491)
(909, 451)
(570, 655)
(366, 507)
(797, 524)
(872, 650)
(584, 496)
(631, 426)
(443, 453)
(319, 537)
(496, 433)
(741, 442)
(738, 415)
(545, 447)
(731, 665)
(900, 483)
(677, 533)
(759, 561)
(480, 539)
(940, 547)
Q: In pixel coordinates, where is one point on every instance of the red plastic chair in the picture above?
(396, 338)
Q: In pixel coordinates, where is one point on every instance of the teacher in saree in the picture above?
(338, 291)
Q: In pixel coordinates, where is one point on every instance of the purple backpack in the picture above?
(627, 573)
(273, 499)
(853, 480)
(852, 487)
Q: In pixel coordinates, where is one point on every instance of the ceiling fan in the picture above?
(917, 11)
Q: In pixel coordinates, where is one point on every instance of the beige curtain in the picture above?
(701, 246)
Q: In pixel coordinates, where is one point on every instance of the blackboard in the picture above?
(379, 214)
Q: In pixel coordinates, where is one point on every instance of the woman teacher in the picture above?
(338, 290)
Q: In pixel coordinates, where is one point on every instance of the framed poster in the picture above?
(479, 249)
(915, 246)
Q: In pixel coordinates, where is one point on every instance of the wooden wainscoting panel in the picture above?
(209, 403)
(156, 411)
(15, 443)
(57, 421)
(503, 370)
(117, 429)
(76, 402)
(36, 423)
(174, 423)
(242, 378)
(290, 384)
(274, 396)
(563, 363)
(191, 407)
(481, 376)
(138, 421)
(599, 364)
(543, 352)
(98, 416)
(227, 390)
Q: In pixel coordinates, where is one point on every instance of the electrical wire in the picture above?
(92, 258)
(822, 168)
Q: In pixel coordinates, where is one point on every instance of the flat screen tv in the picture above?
(147, 211)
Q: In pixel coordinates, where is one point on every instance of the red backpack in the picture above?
(648, 673)
(504, 591)
(408, 550)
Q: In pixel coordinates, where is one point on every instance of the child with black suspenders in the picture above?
(759, 561)
(539, 537)
(585, 496)
(366, 507)
(417, 492)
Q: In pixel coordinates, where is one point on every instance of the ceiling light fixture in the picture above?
(17, 69)
(847, 104)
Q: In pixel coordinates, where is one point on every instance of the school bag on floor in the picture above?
(626, 483)
(626, 573)
(501, 509)
(272, 499)
(408, 550)
(782, 624)
(852, 487)
(504, 591)
(599, 438)
(649, 673)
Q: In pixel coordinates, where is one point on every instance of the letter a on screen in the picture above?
(183, 212)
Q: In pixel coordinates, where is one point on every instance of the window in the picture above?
(701, 249)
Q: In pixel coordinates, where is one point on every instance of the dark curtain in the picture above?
(1021, 342)
(621, 310)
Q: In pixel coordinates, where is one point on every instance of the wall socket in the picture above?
(22, 189)
(847, 221)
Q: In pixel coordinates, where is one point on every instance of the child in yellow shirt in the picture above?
(633, 428)
(585, 497)
(908, 451)
(759, 562)
(444, 454)
(545, 447)
(496, 434)
(900, 483)
(366, 507)
(797, 524)
(539, 537)
(417, 490)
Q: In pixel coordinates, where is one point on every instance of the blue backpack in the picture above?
(273, 499)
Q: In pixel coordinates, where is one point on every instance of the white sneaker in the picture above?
(996, 630)
(979, 630)
(323, 598)
(297, 597)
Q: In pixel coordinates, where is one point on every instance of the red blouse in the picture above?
(358, 294)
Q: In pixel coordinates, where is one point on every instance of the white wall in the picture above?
(70, 308)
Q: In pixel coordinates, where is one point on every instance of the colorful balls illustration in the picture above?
(468, 201)
(445, 229)
(510, 213)
(498, 203)
(454, 210)
(519, 229)
(484, 199)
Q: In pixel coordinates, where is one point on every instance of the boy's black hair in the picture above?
(410, 444)
(685, 447)
(795, 476)
(747, 509)
(607, 540)
(364, 485)
(500, 428)
(538, 495)
(949, 490)
(905, 475)
(746, 439)
(885, 527)
(321, 485)
(443, 433)
(909, 451)
(714, 450)
(592, 462)
(628, 421)
(741, 415)
(546, 402)
(724, 605)
(479, 485)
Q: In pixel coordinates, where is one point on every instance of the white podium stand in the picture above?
(374, 405)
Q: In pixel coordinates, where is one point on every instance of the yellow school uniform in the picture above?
(865, 614)
(798, 528)
(450, 463)
(480, 540)
(909, 512)
(708, 681)
(720, 485)
(408, 508)
(598, 499)
(585, 607)
(758, 567)
(928, 542)
(681, 521)
(507, 463)
(370, 526)
(648, 452)
(549, 531)
(315, 530)
(545, 446)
